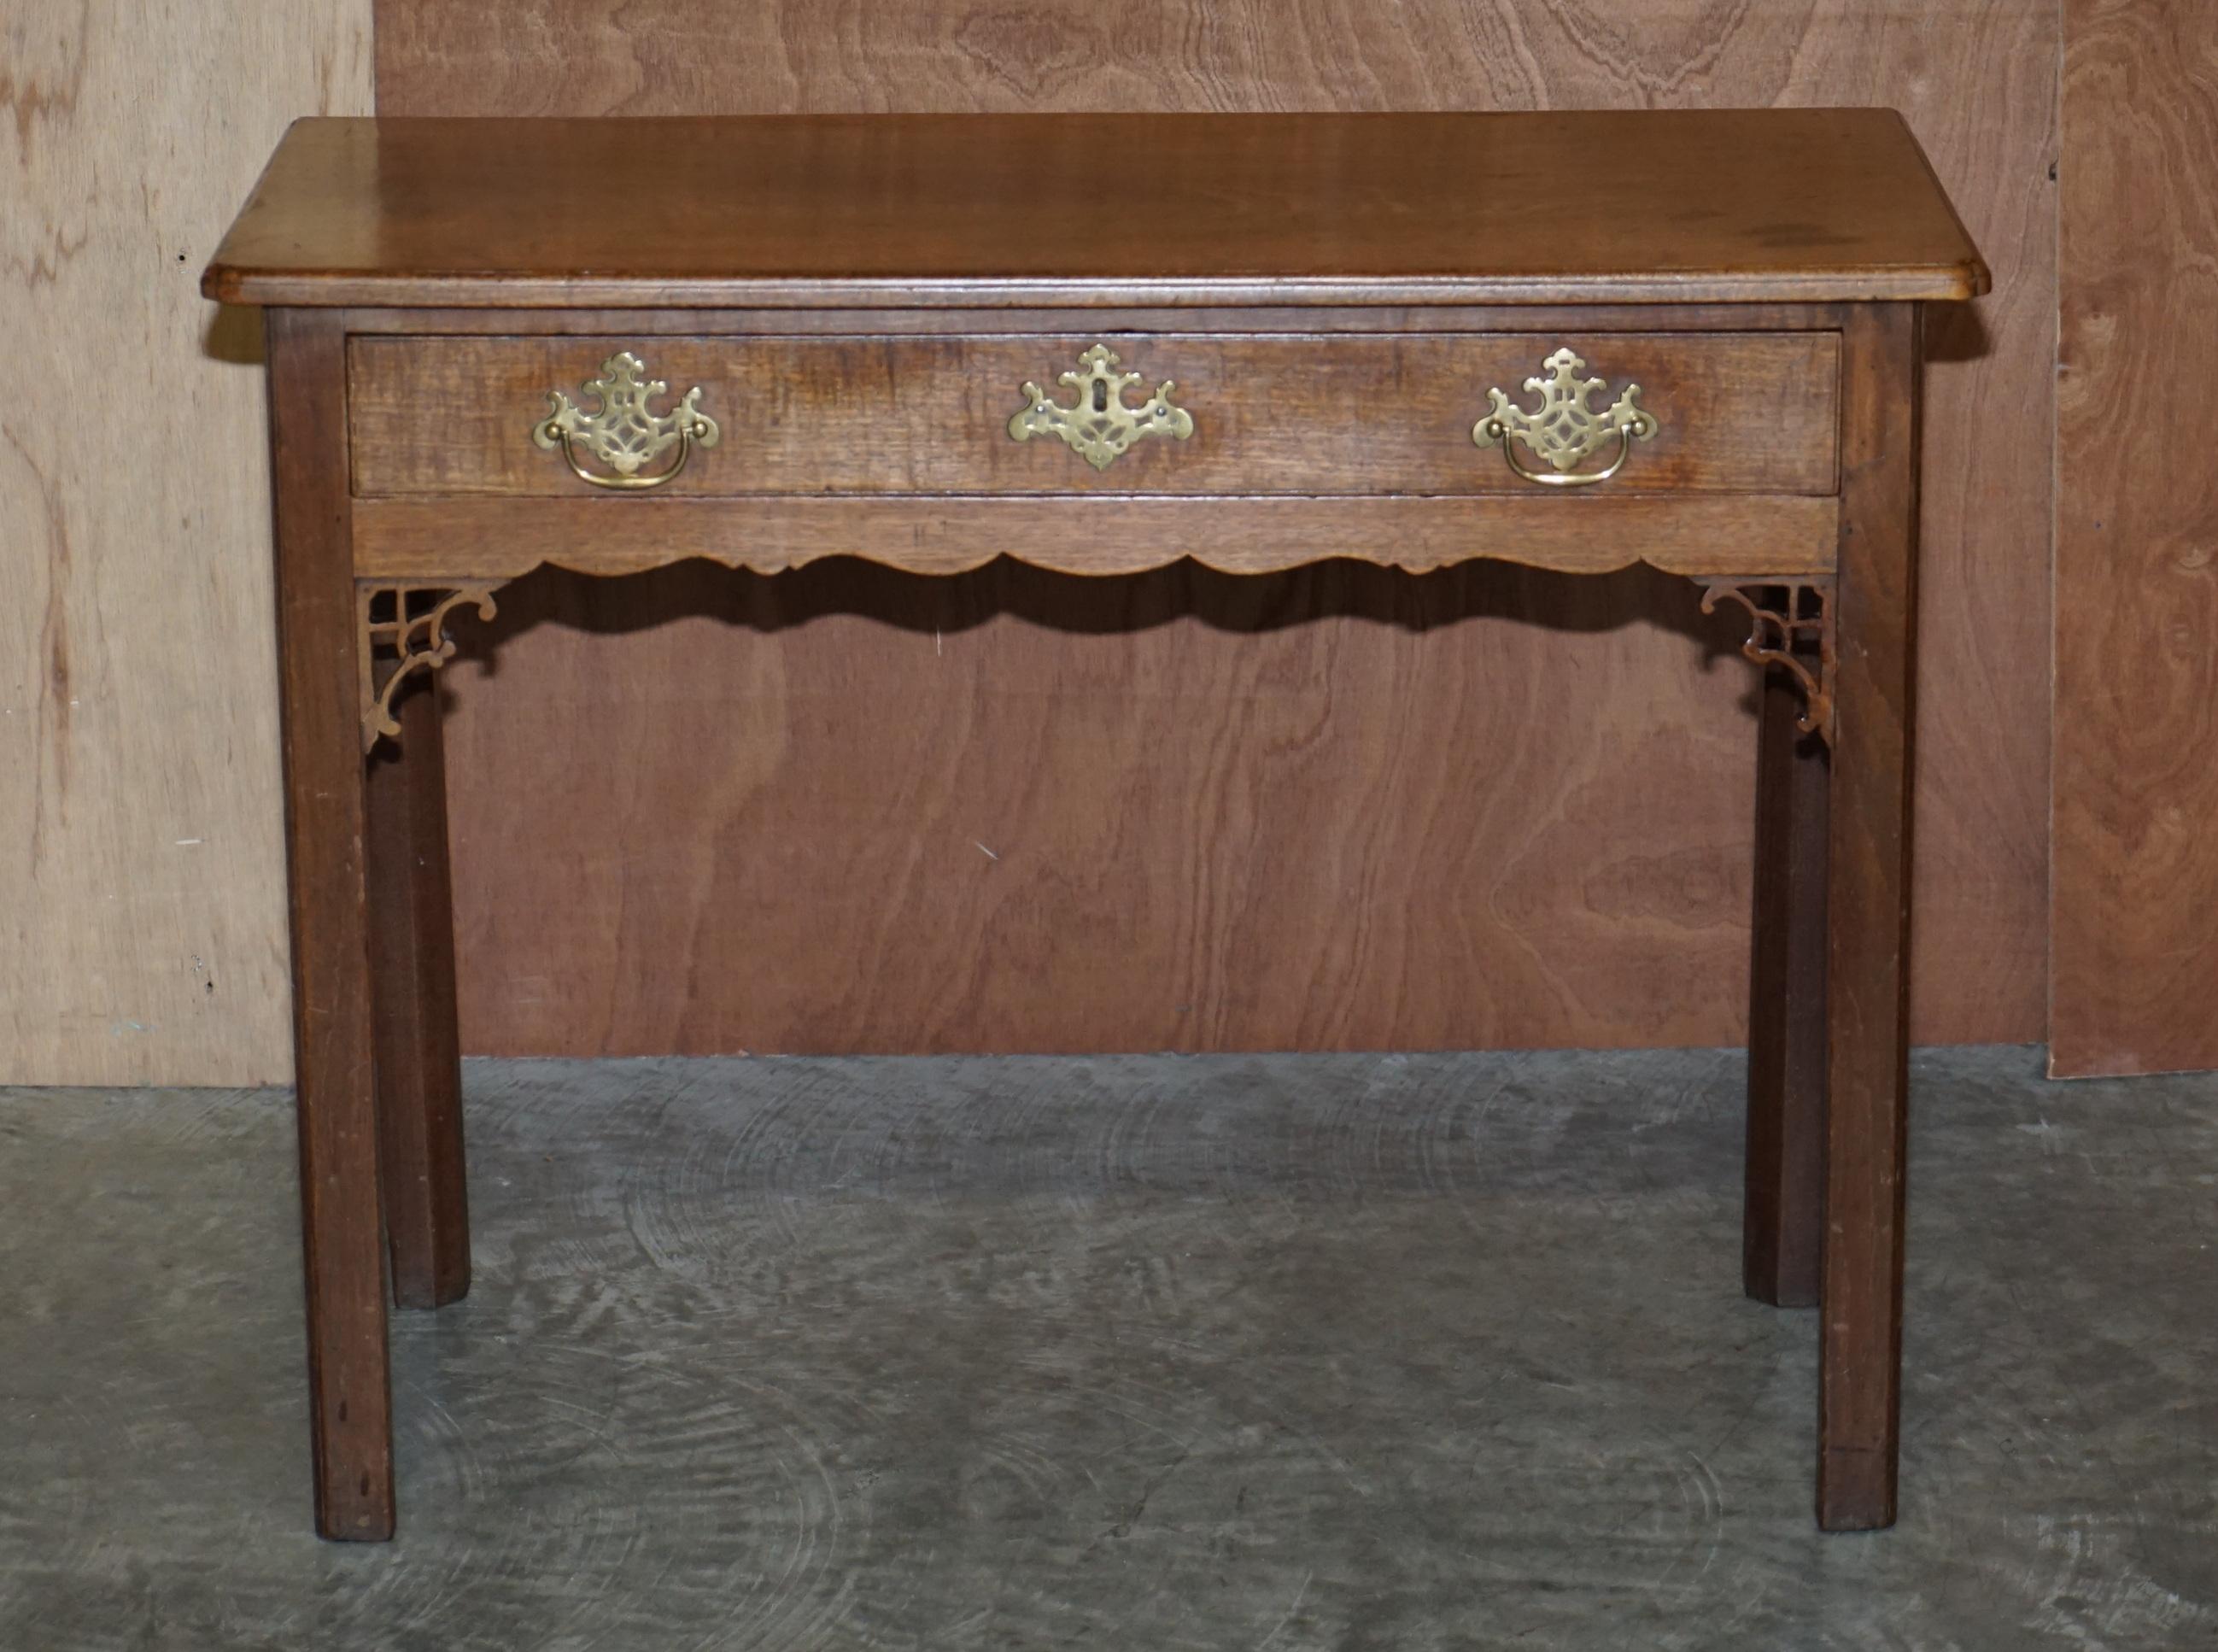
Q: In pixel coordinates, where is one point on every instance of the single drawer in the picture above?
(1253, 414)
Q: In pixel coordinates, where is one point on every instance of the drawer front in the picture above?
(1270, 414)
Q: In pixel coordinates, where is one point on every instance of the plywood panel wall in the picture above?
(2136, 887)
(845, 811)
(141, 890)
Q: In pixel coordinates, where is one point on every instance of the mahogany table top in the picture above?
(1604, 207)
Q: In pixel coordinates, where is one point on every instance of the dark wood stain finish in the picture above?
(1784, 1230)
(1104, 534)
(350, 1392)
(1861, 797)
(1298, 414)
(419, 1066)
(824, 211)
(1867, 923)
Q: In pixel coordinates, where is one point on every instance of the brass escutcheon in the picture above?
(1099, 426)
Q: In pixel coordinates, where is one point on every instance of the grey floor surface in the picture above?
(1131, 1353)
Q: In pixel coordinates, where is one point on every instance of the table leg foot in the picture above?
(1855, 1490)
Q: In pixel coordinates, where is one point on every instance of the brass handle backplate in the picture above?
(622, 434)
(1562, 430)
(1099, 426)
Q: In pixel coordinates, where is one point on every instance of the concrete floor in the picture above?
(1131, 1353)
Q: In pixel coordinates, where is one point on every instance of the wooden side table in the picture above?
(1099, 343)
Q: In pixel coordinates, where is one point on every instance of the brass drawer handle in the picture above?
(1562, 430)
(621, 434)
(1099, 426)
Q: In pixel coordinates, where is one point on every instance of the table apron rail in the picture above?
(455, 540)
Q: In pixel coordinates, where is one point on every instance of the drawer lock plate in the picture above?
(1099, 426)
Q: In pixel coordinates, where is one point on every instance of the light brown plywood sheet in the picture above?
(141, 876)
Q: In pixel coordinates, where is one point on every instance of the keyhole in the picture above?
(1100, 396)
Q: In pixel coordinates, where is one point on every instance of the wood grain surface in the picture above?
(335, 1033)
(421, 1170)
(1867, 859)
(1299, 414)
(1783, 1226)
(818, 211)
(2135, 927)
(141, 860)
(1335, 810)
(432, 540)
(1012, 809)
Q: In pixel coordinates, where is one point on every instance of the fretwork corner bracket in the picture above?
(1791, 626)
(403, 630)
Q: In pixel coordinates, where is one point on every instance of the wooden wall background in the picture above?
(1330, 809)
(848, 811)
(141, 899)
(2136, 823)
